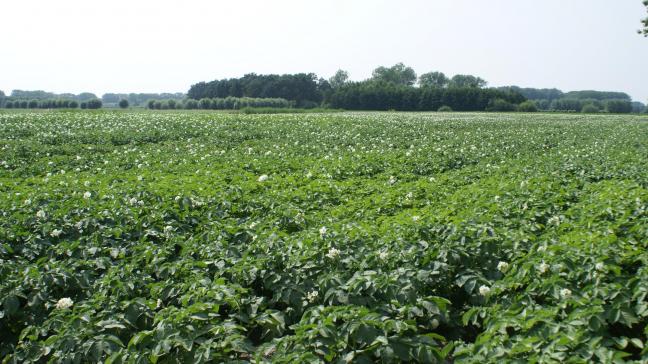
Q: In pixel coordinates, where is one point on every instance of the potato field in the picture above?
(190, 237)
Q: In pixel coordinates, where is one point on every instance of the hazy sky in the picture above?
(165, 46)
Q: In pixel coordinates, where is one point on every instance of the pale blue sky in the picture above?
(165, 46)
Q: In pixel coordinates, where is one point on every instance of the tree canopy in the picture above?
(433, 79)
(398, 74)
(467, 81)
(339, 79)
(303, 88)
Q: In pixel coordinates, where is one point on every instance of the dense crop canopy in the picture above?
(195, 237)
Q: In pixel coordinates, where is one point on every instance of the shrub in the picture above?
(9, 105)
(94, 104)
(191, 104)
(527, 106)
(204, 104)
(171, 104)
(501, 105)
(445, 108)
(123, 103)
(590, 109)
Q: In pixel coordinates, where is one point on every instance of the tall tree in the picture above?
(467, 81)
(339, 79)
(433, 79)
(398, 74)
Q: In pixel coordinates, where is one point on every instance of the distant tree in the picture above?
(433, 79)
(123, 103)
(157, 105)
(84, 105)
(638, 107)
(339, 79)
(467, 81)
(171, 103)
(618, 106)
(73, 104)
(191, 104)
(24, 104)
(501, 105)
(527, 106)
(33, 104)
(590, 109)
(9, 104)
(86, 96)
(444, 109)
(597, 95)
(204, 103)
(94, 104)
(398, 74)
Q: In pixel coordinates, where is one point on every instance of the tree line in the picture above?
(400, 88)
(302, 88)
(138, 99)
(226, 103)
(588, 101)
(51, 104)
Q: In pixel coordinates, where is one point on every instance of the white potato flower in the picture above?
(543, 268)
(484, 290)
(41, 214)
(64, 303)
(333, 253)
(502, 266)
(312, 296)
(322, 231)
(565, 293)
(263, 178)
(435, 323)
(600, 266)
(56, 233)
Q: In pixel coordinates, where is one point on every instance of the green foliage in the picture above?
(501, 105)
(339, 79)
(178, 237)
(433, 79)
(444, 108)
(372, 95)
(618, 106)
(273, 110)
(398, 74)
(123, 103)
(596, 95)
(527, 106)
(590, 109)
(300, 88)
(228, 103)
(463, 81)
(94, 104)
